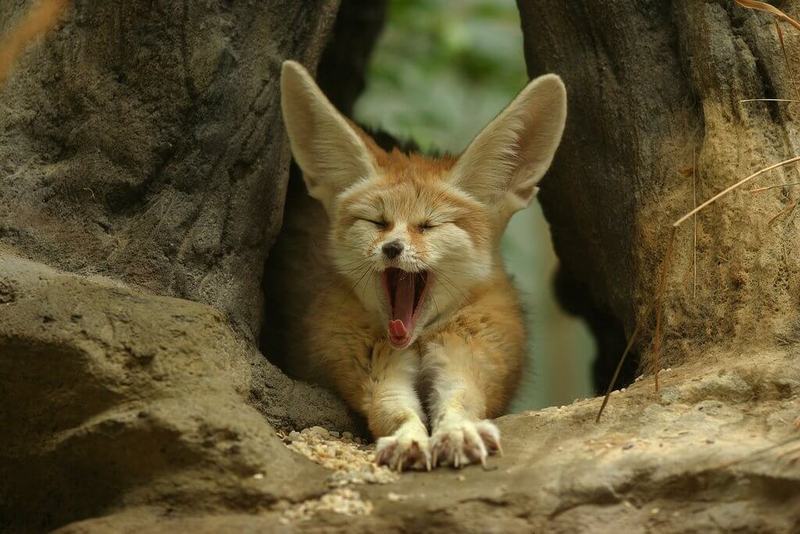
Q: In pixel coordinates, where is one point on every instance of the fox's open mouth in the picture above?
(405, 292)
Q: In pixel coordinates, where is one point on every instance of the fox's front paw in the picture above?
(405, 449)
(462, 442)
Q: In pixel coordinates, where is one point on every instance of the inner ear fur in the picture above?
(330, 153)
(506, 160)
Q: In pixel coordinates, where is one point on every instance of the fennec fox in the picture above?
(412, 318)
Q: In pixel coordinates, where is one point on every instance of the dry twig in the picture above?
(665, 265)
(772, 10)
(735, 186)
(768, 100)
(621, 362)
(694, 234)
(767, 188)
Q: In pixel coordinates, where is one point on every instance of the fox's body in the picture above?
(332, 336)
(404, 306)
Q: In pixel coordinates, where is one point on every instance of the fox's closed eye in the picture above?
(429, 225)
(380, 223)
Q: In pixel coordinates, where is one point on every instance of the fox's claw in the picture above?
(460, 443)
(404, 451)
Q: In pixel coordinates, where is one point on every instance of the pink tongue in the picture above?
(397, 329)
(400, 324)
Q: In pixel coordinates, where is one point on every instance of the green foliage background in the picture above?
(441, 71)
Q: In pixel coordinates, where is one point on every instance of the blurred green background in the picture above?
(441, 71)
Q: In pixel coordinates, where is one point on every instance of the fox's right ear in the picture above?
(504, 163)
(330, 153)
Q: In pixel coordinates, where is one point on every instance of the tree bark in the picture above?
(143, 142)
(655, 110)
(342, 72)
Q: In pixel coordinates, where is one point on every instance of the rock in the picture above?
(112, 397)
(732, 466)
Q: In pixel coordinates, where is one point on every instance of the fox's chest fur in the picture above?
(321, 320)
(392, 282)
(337, 327)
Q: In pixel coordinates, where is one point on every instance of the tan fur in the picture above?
(466, 356)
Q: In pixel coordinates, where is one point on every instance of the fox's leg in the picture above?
(467, 384)
(383, 388)
(395, 413)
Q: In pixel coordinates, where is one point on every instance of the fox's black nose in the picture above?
(392, 249)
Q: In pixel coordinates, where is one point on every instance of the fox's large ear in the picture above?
(503, 164)
(330, 153)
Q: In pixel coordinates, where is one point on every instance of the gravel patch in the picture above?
(352, 461)
(341, 501)
(350, 458)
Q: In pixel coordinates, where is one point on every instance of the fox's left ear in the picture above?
(328, 150)
(503, 164)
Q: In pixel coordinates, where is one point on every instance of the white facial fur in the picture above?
(455, 258)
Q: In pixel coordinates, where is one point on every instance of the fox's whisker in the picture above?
(369, 269)
(446, 281)
(355, 264)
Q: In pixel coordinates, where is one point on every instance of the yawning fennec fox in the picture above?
(415, 323)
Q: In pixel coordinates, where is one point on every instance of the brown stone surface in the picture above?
(112, 397)
(699, 457)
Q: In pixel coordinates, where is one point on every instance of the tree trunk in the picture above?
(655, 113)
(143, 142)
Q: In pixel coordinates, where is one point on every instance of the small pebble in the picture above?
(627, 446)
(655, 511)
(258, 476)
(461, 478)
